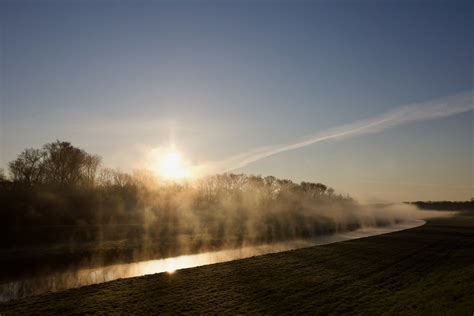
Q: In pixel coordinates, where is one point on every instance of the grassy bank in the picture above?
(426, 270)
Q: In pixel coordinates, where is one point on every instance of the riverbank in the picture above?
(428, 269)
(43, 283)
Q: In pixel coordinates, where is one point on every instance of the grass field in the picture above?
(425, 270)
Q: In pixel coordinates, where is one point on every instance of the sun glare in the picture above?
(170, 164)
(171, 270)
(173, 167)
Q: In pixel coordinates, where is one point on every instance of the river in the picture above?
(73, 279)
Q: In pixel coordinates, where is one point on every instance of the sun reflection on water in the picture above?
(83, 277)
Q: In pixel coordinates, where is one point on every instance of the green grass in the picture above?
(425, 270)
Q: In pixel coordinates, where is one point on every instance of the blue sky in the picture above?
(220, 78)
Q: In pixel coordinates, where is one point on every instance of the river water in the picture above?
(63, 281)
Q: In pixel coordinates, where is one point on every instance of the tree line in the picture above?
(60, 185)
(445, 205)
(57, 164)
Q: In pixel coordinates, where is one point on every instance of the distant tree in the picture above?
(144, 178)
(285, 184)
(270, 180)
(64, 163)
(105, 177)
(313, 189)
(330, 191)
(90, 168)
(29, 167)
(2, 175)
(320, 188)
(121, 179)
(256, 181)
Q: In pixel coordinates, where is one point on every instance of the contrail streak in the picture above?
(415, 112)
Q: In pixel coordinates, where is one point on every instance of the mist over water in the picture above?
(83, 219)
(58, 282)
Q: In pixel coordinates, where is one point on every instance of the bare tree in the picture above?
(64, 163)
(29, 167)
(121, 179)
(105, 177)
(90, 169)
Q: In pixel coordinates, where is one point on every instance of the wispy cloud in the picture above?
(411, 113)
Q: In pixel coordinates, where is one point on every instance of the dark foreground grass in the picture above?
(425, 270)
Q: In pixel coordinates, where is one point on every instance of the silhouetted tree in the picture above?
(2, 175)
(121, 179)
(105, 177)
(64, 163)
(29, 167)
(234, 206)
(320, 188)
(90, 169)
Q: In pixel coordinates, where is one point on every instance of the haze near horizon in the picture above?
(250, 87)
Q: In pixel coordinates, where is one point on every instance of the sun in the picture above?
(169, 164)
(173, 167)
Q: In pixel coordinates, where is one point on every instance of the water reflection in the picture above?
(58, 282)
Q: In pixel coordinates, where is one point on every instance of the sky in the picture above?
(218, 79)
